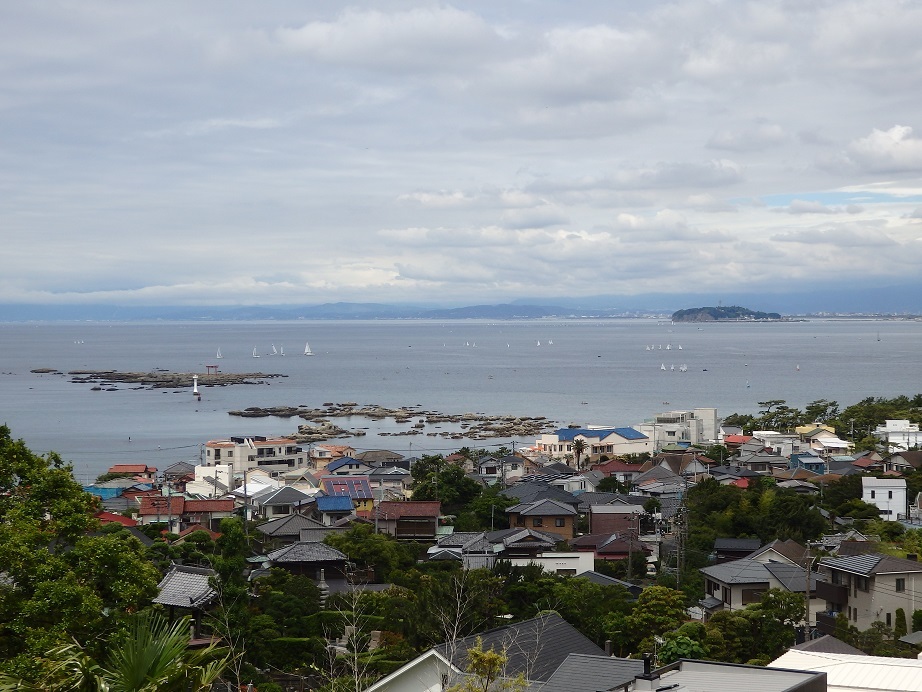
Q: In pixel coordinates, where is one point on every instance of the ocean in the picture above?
(600, 372)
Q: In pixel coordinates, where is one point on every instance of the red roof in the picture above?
(737, 439)
(198, 527)
(112, 518)
(392, 509)
(197, 506)
(132, 468)
(152, 505)
(742, 483)
(615, 465)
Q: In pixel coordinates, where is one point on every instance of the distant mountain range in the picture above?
(896, 299)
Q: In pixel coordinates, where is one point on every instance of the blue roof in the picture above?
(335, 503)
(343, 461)
(567, 434)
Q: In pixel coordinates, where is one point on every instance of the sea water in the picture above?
(600, 372)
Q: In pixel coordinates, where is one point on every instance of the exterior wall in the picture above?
(613, 518)
(566, 530)
(871, 599)
(889, 495)
(560, 563)
(738, 596)
(202, 485)
(276, 456)
(420, 675)
(900, 435)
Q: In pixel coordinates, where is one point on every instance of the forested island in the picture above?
(716, 314)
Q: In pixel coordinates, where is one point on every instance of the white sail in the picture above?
(255, 354)
(219, 354)
(274, 351)
(281, 350)
(307, 349)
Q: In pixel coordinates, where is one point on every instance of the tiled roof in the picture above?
(199, 506)
(132, 468)
(152, 505)
(186, 587)
(286, 495)
(527, 491)
(112, 518)
(568, 434)
(872, 563)
(747, 544)
(288, 526)
(397, 510)
(304, 551)
(537, 646)
(543, 508)
(790, 549)
(344, 461)
(587, 673)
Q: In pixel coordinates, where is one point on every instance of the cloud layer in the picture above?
(412, 151)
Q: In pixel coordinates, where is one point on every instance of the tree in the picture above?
(231, 617)
(486, 672)
(658, 610)
(579, 446)
(153, 655)
(610, 484)
(899, 625)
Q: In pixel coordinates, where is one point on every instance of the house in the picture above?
(274, 455)
(389, 482)
(157, 509)
(596, 440)
(471, 548)
(309, 558)
(378, 457)
(620, 470)
(698, 426)
(293, 528)
(680, 463)
(735, 584)
(550, 516)
(280, 502)
(531, 490)
(618, 515)
(536, 648)
(112, 518)
(208, 513)
(888, 494)
(611, 546)
(347, 466)
(356, 488)
(727, 549)
(904, 462)
(899, 435)
(323, 454)
(415, 521)
(503, 469)
(211, 481)
(521, 542)
(785, 551)
(332, 508)
(141, 472)
(691, 676)
(188, 588)
(868, 588)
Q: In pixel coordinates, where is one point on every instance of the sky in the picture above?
(222, 153)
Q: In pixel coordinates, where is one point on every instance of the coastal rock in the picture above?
(162, 379)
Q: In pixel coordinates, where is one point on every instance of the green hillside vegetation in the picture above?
(714, 314)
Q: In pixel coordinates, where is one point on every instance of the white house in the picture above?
(698, 426)
(597, 441)
(900, 435)
(273, 455)
(889, 494)
(212, 481)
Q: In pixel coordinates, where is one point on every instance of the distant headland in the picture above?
(721, 313)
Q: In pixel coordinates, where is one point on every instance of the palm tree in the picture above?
(579, 446)
(151, 656)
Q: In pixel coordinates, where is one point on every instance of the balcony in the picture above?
(832, 593)
(826, 623)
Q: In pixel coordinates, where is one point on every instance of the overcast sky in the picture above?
(305, 152)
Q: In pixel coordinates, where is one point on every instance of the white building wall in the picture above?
(888, 494)
(212, 481)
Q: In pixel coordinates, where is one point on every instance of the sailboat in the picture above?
(662, 367)
(281, 350)
(274, 351)
(255, 354)
(307, 349)
(219, 354)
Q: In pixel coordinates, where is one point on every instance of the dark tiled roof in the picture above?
(527, 491)
(543, 508)
(288, 526)
(604, 580)
(286, 495)
(186, 587)
(587, 673)
(748, 544)
(872, 563)
(791, 549)
(828, 644)
(306, 552)
(537, 646)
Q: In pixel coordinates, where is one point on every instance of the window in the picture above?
(889, 623)
(230, 453)
(900, 585)
(889, 494)
(872, 494)
(537, 521)
(217, 454)
(559, 522)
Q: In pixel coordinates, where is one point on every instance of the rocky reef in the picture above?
(477, 426)
(163, 379)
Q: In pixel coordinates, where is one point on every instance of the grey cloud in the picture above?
(754, 138)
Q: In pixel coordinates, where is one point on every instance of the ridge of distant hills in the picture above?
(715, 314)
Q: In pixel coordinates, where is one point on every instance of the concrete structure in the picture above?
(899, 435)
(558, 562)
(698, 427)
(855, 673)
(274, 455)
(211, 481)
(867, 589)
(889, 494)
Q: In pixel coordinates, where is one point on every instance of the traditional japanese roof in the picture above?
(746, 571)
(286, 495)
(522, 538)
(153, 505)
(202, 506)
(747, 544)
(186, 587)
(529, 491)
(180, 468)
(132, 468)
(537, 646)
(828, 644)
(398, 510)
(113, 518)
(543, 508)
(789, 549)
(376, 456)
(288, 526)
(304, 551)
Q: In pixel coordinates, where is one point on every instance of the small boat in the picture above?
(281, 350)
(668, 347)
(255, 354)
(680, 347)
(550, 342)
(797, 367)
(539, 343)
(219, 354)
(672, 367)
(307, 349)
(662, 367)
(683, 368)
(274, 351)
